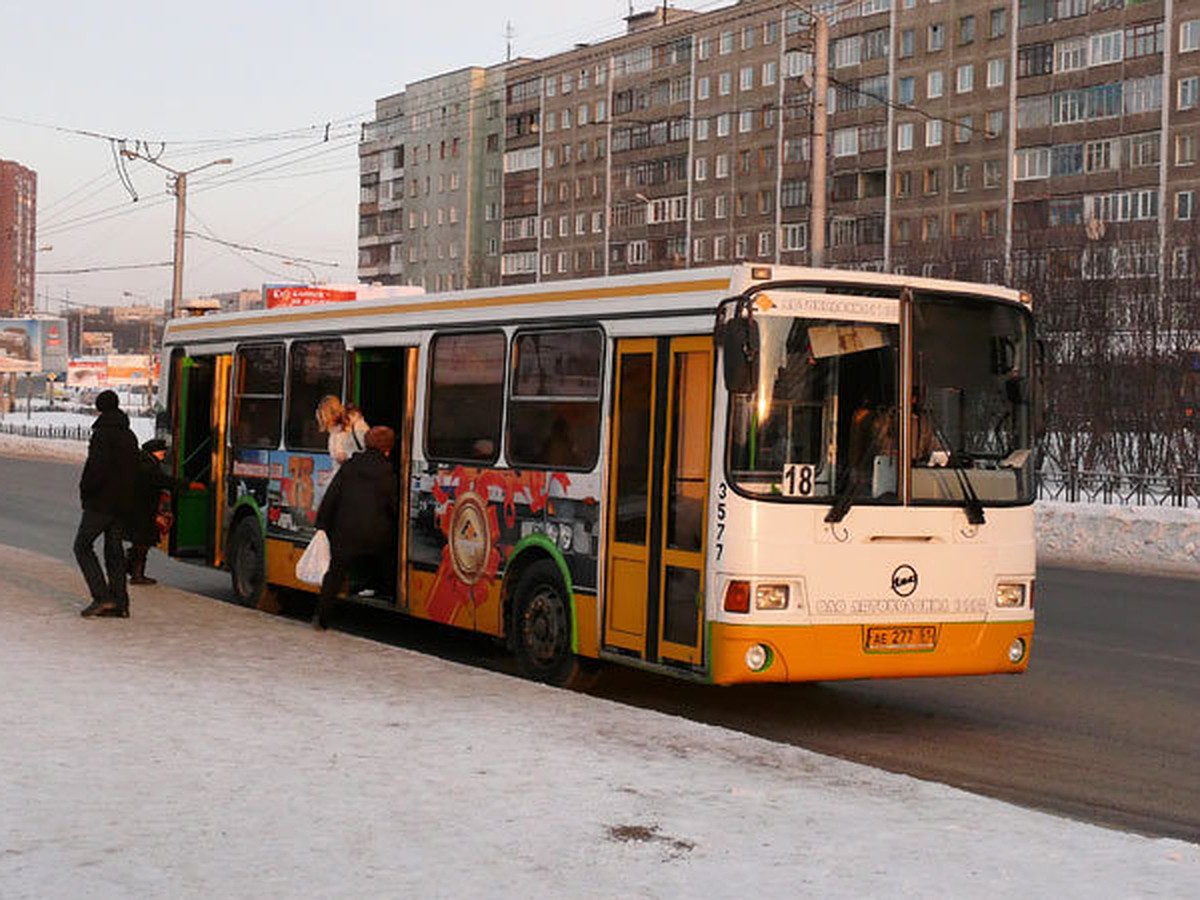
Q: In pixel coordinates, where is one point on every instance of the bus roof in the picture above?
(673, 292)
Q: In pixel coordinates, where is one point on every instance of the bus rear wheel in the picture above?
(248, 563)
(541, 627)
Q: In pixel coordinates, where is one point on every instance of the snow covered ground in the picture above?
(200, 749)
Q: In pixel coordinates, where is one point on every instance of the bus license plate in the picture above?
(900, 638)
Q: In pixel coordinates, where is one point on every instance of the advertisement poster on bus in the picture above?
(33, 345)
(276, 295)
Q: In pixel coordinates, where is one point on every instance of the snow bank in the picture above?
(1131, 538)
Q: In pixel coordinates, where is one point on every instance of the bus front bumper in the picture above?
(750, 653)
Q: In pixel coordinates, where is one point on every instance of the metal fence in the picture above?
(1180, 489)
(58, 432)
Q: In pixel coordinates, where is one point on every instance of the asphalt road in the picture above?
(1104, 727)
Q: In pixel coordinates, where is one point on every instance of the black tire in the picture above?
(248, 563)
(541, 627)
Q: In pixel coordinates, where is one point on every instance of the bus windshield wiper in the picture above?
(843, 501)
(971, 503)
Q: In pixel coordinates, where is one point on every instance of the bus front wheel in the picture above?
(248, 563)
(541, 627)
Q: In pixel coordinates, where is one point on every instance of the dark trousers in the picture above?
(374, 565)
(91, 526)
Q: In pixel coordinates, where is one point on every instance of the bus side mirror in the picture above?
(739, 344)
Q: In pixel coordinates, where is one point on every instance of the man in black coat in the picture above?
(358, 514)
(105, 492)
(141, 527)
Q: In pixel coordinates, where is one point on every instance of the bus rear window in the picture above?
(315, 372)
(466, 397)
(554, 407)
(258, 396)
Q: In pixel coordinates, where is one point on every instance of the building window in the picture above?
(904, 48)
(1187, 92)
(903, 184)
(934, 85)
(905, 90)
(1185, 149)
(936, 39)
(1035, 59)
(964, 81)
(995, 72)
(1189, 36)
(997, 23)
(966, 29)
(962, 177)
(904, 136)
(964, 129)
(1106, 47)
(933, 133)
(993, 173)
(1032, 163)
(1070, 54)
(1184, 204)
(746, 78)
(932, 181)
(995, 123)
(795, 236)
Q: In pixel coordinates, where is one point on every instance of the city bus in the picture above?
(743, 474)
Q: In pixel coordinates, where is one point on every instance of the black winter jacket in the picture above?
(358, 511)
(149, 483)
(106, 485)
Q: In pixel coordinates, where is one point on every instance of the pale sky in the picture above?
(255, 81)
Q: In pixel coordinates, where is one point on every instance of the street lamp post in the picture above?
(179, 188)
(312, 273)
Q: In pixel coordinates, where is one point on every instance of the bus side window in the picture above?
(466, 396)
(554, 404)
(316, 369)
(258, 396)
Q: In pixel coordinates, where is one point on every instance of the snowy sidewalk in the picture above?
(200, 749)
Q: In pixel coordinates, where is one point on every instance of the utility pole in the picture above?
(178, 186)
(177, 259)
(819, 125)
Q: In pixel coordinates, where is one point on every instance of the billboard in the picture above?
(128, 369)
(87, 373)
(275, 295)
(33, 345)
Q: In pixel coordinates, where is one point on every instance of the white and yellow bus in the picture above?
(729, 475)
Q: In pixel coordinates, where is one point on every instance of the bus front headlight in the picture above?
(771, 596)
(1009, 596)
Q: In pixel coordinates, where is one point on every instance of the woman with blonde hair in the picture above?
(346, 427)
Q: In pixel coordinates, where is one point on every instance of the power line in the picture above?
(89, 270)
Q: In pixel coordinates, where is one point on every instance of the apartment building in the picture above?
(18, 238)
(988, 139)
(430, 182)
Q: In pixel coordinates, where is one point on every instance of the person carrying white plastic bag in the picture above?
(312, 566)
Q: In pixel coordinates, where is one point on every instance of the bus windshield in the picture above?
(824, 411)
(824, 421)
(972, 403)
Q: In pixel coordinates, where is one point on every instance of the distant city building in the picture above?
(431, 183)
(101, 330)
(18, 238)
(238, 301)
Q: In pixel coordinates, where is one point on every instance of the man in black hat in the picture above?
(105, 491)
(141, 527)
